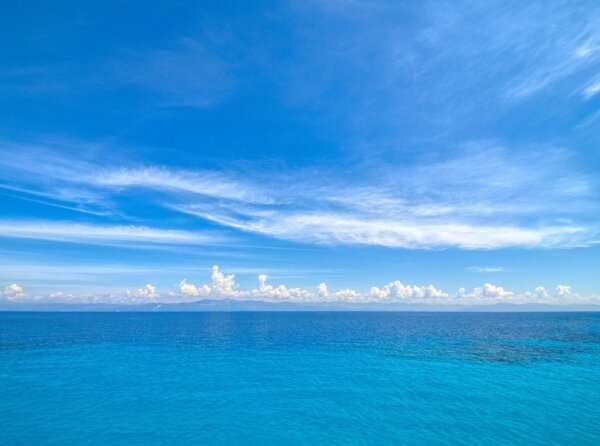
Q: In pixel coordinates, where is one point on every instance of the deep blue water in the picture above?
(299, 378)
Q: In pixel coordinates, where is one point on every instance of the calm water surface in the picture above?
(299, 378)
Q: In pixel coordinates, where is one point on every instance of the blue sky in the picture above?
(355, 144)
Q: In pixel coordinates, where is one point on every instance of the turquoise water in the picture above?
(299, 378)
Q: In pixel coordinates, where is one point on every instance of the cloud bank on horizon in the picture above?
(453, 143)
(224, 286)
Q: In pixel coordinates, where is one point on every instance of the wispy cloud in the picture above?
(90, 179)
(486, 269)
(483, 196)
(515, 51)
(27, 195)
(570, 62)
(99, 234)
(210, 184)
(593, 89)
(345, 228)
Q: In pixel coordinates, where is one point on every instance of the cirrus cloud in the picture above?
(98, 233)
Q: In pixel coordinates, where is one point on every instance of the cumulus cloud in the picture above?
(221, 285)
(224, 286)
(13, 292)
(146, 294)
(540, 292)
(564, 293)
(188, 289)
(397, 291)
(491, 291)
(323, 291)
(488, 293)
(281, 292)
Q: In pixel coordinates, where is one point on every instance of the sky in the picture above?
(307, 151)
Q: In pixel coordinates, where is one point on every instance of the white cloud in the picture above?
(146, 294)
(489, 291)
(586, 50)
(221, 286)
(540, 292)
(564, 293)
(205, 183)
(224, 286)
(483, 196)
(97, 234)
(485, 269)
(397, 291)
(42, 171)
(60, 194)
(553, 52)
(346, 228)
(188, 289)
(323, 291)
(13, 292)
(592, 90)
(281, 292)
(480, 195)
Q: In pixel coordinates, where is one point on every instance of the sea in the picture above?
(299, 378)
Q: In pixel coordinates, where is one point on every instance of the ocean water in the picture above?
(299, 378)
